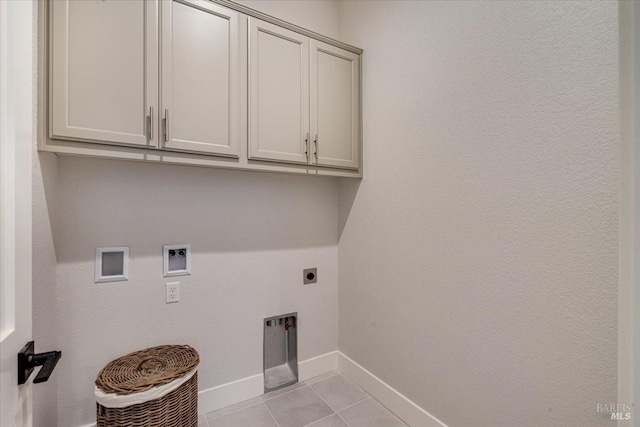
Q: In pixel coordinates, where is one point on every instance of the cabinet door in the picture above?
(104, 71)
(200, 77)
(335, 106)
(278, 93)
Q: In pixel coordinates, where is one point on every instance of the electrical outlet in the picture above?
(173, 292)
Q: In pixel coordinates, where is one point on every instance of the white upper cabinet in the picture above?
(278, 93)
(200, 78)
(335, 106)
(200, 83)
(104, 71)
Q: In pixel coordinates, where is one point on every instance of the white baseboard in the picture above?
(404, 408)
(227, 394)
(317, 366)
(247, 388)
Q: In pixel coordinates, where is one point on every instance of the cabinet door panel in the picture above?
(335, 102)
(278, 93)
(104, 70)
(200, 77)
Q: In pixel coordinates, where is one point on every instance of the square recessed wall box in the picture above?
(112, 264)
(177, 260)
(309, 276)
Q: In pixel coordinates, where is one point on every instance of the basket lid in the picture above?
(145, 369)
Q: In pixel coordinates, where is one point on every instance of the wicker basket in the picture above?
(166, 375)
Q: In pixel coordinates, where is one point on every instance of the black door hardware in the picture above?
(28, 359)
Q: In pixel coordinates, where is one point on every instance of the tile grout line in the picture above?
(334, 412)
(370, 397)
(262, 400)
(326, 403)
(330, 407)
(346, 407)
(229, 413)
(333, 374)
(320, 419)
(269, 411)
(343, 420)
(381, 404)
(285, 393)
(351, 406)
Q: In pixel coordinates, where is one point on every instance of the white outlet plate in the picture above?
(173, 292)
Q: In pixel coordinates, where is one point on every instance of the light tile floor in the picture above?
(330, 400)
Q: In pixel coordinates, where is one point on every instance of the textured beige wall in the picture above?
(629, 249)
(477, 259)
(45, 331)
(251, 233)
(478, 256)
(44, 268)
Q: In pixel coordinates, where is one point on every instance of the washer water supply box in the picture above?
(280, 351)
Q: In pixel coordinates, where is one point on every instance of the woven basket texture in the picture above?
(139, 371)
(178, 408)
(145, 369)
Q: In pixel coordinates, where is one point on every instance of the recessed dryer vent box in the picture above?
(177, 260)
(112, 264)
(280, 351)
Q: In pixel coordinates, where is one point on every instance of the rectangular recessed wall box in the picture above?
(280, 351)
(112, 264)
(176, 260)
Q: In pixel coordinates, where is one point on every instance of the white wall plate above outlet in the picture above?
(112, 264)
